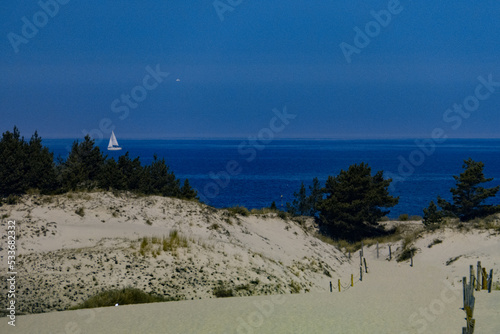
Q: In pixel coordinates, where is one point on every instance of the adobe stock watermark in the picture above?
(129, 100)
(249, 150)
(454, 117)
(223, 6)
(30, 28)
(422, 318)
(371, 30)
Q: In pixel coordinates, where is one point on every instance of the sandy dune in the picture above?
(257, 254)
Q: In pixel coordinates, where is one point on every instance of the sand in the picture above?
(270, 252)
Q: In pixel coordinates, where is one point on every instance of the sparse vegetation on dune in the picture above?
(155, 245)
(125, 296)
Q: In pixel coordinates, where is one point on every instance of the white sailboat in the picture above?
(113, 143)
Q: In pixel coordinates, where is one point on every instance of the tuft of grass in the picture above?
(283, 215)
(221, 291)
(453, 259)
(263, 211)
(406, 254)
(12, 199)
(80, 211)
(125, 296)
(239, 210)
(174, 241)
(214, 226)
(294, 287)
(408, 248)
(435, 242)
(403, 217)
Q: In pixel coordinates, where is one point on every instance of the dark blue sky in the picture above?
(69, 76)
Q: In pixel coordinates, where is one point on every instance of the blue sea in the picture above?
(238, 172)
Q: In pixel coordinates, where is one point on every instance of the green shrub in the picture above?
(222, 292)
(123, 296)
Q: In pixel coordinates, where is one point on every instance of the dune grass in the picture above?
(125, 296)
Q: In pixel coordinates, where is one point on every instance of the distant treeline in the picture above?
(28, 165)
(351, 204)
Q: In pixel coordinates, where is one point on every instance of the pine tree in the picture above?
(158, 180)
(111, 176)
(469, 196)
(315, 198)
(82, 168)
(300, 205)
(13, 164)
(41, 173)
(355, 201)
(187, 192)
(132, 172)
(432, 216)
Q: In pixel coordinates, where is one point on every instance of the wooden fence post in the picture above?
(390, 253)
(331, 287)
(360, 273)
(366, 268)
(411, 258)
(478, 279)
(377, 249)
(361, 258)
(484, 281)
(490, 281)
(352, 280)
(349, 255)
(464, 286)
(471, 279)
(362, 254)
(339, 284)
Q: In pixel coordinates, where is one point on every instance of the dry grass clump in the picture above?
(156, 245)
(239, 210)
(80, 211)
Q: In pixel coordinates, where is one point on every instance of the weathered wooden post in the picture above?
(411, 258)
(478, 279)
(349, 255)
(361, 258)
(366, 268)
(490, 280)
(464, 286)
(339, 284)
(471, 279)
(360, 273)
(390, 253)
(362, 254)
(484, 278)
(377, 249)
(331, 287)
(352, 280)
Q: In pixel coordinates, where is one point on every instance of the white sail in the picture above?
(113, 143)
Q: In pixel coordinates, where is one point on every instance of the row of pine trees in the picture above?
(350, 204)
(26, 165)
